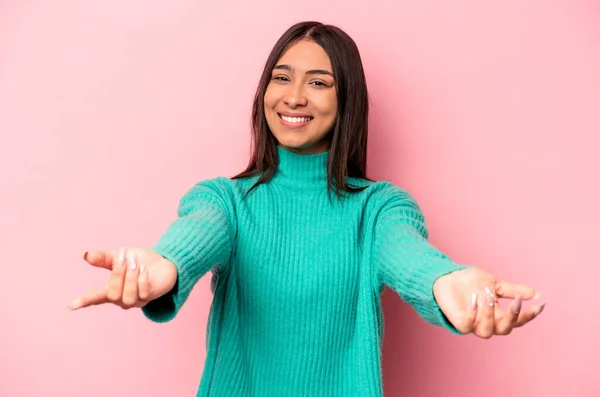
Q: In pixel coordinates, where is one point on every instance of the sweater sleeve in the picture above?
(199, 239)
(406, 261)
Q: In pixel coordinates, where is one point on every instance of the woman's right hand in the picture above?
(137, 277)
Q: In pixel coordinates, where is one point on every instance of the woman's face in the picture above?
(301, 100)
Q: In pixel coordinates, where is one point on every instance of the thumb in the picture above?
(105, 259)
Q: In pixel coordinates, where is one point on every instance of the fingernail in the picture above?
(121, 257)
(132, 262)
(75, 304)
(142, 269)
(537, 295)
(540, 309)
(489, 299)
(474, 302)
(517, 304)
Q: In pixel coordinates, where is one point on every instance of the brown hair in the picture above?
(348, 149)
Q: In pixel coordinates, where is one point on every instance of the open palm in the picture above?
(138, 276)
(469, 300)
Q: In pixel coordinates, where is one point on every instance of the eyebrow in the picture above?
(313, 71)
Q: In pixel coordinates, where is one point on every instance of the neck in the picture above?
(302, 170)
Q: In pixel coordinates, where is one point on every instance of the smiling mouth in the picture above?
(293, 120)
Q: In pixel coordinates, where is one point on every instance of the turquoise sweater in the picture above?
(297, 279)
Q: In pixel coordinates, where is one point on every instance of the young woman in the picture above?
(301, 244)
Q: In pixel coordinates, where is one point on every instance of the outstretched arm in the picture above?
(160, 279)
(463, 299)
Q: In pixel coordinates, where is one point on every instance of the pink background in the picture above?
(487, 112)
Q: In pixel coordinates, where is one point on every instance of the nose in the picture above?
(295, 97)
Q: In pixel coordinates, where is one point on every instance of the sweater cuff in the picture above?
(430, 310)
(166, 307)
(194, 245)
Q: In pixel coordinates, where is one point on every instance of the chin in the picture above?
(304, 148)
(291, 141)
(294, 147)
(301, 141)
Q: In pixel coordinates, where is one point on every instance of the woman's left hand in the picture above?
(469, 300)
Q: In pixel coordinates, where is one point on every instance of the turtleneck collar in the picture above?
(302, 170)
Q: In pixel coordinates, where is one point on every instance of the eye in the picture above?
(319, 84)
(281, 78)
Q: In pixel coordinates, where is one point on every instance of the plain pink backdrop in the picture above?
(487, 112)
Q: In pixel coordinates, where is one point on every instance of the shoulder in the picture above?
(391, 195)
(393, 204)
(222, 191)
(384, 194)
(216, 192)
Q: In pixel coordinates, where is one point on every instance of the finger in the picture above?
(508, 318)
(94, 297)
(103, 259)
(485, 326)
(117, 278)
(468, 322)
(505, 289)
(528, 315)
(144, 284)
(130, 290)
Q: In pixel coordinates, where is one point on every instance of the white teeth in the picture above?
(295, 119)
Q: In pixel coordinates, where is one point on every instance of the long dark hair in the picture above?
(348, 148)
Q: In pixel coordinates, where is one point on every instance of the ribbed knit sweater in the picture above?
(297, 278)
